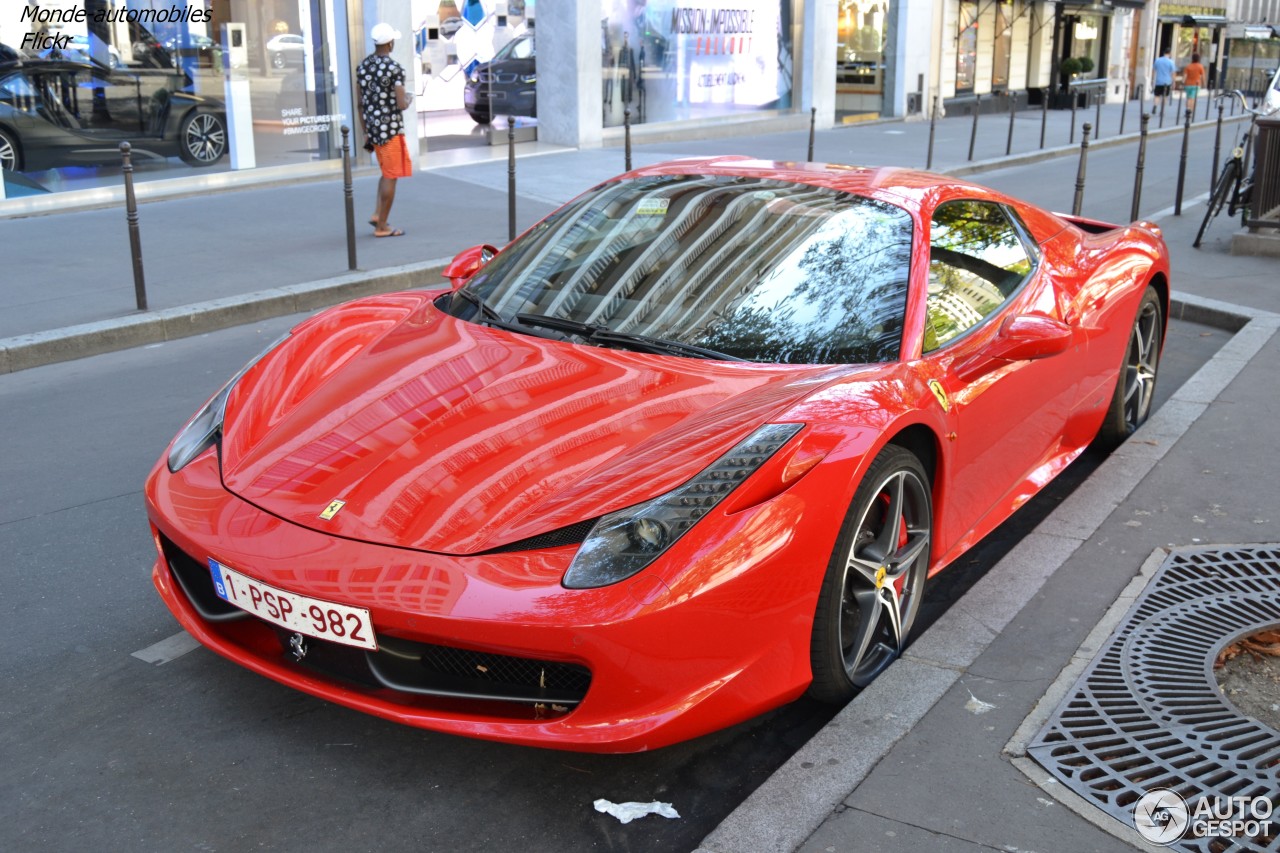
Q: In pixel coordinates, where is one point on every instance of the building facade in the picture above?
(205, 89)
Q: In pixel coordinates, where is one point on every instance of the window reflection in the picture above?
(976, 262)
(756, 268)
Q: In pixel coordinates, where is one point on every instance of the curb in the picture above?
(1012, 160)
(87, 339)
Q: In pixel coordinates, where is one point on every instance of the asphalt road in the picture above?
(103, 751)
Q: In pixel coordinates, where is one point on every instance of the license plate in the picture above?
(324, 620)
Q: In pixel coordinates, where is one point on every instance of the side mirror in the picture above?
(467, 263)
(1030, 336)
(1022, 338)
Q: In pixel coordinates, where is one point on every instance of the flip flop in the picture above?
(394, 232)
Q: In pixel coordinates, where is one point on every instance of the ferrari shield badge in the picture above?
(938, 391)
(335, 506)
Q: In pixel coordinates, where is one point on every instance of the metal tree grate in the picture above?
(1147, 712)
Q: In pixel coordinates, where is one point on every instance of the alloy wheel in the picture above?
(884, 575)
(205, 138)
(1140, 366)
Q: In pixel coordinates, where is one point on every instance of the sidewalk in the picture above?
(924, 759)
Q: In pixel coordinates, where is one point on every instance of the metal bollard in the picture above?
(511, 178)
(973, 134)
(813, 118)
(1074, 99)
(1044, 112)
(1084, 155)
(1178, 111)
(349, 197)
(1124, 107)
(933, 120)
(1163, 101)
(1182, 163)
(135, 237)
(1217, 148)
(1013, 102)
(626, 125)
(1142, 163)
(1097, 119)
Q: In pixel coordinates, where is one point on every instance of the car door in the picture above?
(96, 108)
(1003, 363)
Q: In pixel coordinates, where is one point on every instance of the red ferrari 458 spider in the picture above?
(689, 447)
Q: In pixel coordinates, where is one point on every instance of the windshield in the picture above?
(758, 269)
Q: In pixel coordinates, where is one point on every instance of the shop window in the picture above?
(1003, 48)
(860, 39)
(967, 47)
(666, 60)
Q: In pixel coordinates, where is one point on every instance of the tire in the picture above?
(202, 138)
(277, 60)
(875, 581)
(10, 153)
(480, 116)
(1135, 386)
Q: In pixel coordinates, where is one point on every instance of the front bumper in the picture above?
(633, 666)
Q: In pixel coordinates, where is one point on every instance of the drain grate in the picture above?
(1147, 714)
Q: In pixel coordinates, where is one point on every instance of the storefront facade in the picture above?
(195, 86)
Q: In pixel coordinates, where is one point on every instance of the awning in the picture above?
(1204, 20)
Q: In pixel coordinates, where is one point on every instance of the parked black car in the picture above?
(69, 113)
(506, 85)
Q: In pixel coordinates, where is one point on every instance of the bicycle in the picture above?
(1234, 187)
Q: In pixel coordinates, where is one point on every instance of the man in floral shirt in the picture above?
(383, 100)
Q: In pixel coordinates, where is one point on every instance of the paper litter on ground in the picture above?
(627, 812)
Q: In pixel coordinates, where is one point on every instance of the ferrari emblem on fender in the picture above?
(938, 391)
(298, 647)
(332, 509)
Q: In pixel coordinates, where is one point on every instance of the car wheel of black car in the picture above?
(874, 584)
(480, 116)
(1136, 385)
(10, 154)
(202, 139)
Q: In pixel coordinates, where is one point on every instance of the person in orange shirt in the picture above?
(1192, 80)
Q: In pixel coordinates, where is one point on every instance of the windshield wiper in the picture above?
(602, 335)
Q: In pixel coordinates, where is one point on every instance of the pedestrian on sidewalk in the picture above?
(383, 100)
(1192, 80)
(1164, 69)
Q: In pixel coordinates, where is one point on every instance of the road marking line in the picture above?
(170, 648)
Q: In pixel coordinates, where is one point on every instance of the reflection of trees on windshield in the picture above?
(976, 261)
(757, 268)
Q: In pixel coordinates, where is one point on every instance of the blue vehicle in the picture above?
(506, 85)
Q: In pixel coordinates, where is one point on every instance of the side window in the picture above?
(18, 93)
(976, 261)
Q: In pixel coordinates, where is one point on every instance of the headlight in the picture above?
(202, 431)
(624, 542)
(529, 78)
(474, 76)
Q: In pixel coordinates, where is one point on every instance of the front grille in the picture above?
(451, 671)
(404, 666)
(196, 581)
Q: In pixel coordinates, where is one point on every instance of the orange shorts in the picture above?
(394, 159)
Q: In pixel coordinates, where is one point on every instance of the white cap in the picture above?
(383, 33)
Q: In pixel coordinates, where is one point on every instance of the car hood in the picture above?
(451, 437)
